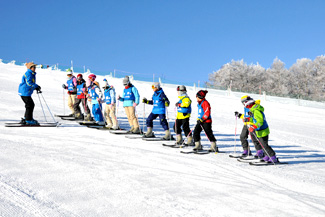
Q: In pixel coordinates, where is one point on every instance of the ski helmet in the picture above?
(79, 76)
(245, 98)
(249, 103)
(181, 88)
(92, 76)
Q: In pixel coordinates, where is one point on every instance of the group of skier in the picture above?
(79, 91)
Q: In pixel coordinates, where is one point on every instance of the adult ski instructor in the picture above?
(25, 90)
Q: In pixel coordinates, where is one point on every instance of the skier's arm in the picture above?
(207, 110)
(30, 81)
(259, 118)
(136, 95)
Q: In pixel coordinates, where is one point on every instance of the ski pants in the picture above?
(76, 106)
(265, 144)
(71, 101)
(29, 105)
(182, 123)
(97, 112)
(162, 118)
(110, 114)
(207, 127)
(244, 136)
(130, 113)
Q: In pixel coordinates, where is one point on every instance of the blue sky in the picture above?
(182, 41)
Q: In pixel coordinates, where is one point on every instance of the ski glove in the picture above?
(199, 121)
(252, 128)
(166, 103)
(178, 104)
(38, 89)
(134, 105)
(64, 86)
(237, 114)
(144, 100)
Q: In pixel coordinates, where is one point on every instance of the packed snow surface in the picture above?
(72, 170)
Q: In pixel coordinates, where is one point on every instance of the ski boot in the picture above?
(149, 133)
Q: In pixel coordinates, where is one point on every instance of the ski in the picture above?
(92, 123)
(248, 160)
(44, 124)
(71, 119)
(120, 132)
(134, 136)
(235, 156)
(157, 139)
(62, 116)
(266, 163)
(173, 145)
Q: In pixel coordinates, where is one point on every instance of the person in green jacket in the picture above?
(261, 129)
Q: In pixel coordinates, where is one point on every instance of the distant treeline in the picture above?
(305, 79)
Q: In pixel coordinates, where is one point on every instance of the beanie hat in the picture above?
(126, 80)
(156, 85)
(30, 64)
(201, 94)
(92, 76)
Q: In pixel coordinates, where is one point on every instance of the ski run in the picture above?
(74, 170)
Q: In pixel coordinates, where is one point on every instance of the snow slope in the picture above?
(75, 171)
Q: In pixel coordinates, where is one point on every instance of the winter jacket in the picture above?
(260, 121)
(109, 95)
(159, 101)
(130, 95)
(72, 85)
(95, 93)
(204, 111)
(28, 83)
(184, 108)
(81, 86)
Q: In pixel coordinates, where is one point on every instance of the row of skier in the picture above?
(79, 91)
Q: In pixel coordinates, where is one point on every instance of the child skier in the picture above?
(81, 98)
(72, 90)
(25, 90)
(261, 128)
(96, 99)
(130, 100)
(244, 133)
(204, 122)
(183, 116)
(110, 108)
(159, 102)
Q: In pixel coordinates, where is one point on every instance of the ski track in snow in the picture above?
(76, 171)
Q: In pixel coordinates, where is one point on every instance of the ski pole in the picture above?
(235, 145)
(136, 115)
(170, 138)
(63, 102)
(144, 114)
(48, 108)
(41, 105)
(261, 145)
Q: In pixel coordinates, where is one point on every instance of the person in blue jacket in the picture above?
(159, 102)
(95, 95)
(130, 98)
(25, 90)
(110, 108)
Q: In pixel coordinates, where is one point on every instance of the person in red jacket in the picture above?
(81, 98)
(204, 122)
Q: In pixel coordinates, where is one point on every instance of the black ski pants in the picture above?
(29, 105)
(244, 136)
(76, 106)
(182, 123)
(265, 142)
(207, 127)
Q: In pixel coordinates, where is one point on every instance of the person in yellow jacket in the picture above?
(184, 110)
(244, 133)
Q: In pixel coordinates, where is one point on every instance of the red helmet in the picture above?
(92, 76)
(79, 76)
